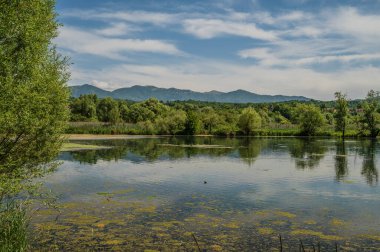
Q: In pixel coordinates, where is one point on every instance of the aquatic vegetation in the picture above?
(337, 222)
(285, 214)
(70, 146)
(265, 231)
(310, 222)
(307, 232)
(370, 237)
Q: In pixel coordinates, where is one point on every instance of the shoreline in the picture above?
(73, 137)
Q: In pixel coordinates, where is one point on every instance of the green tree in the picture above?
(371, 118)
(249, 121)
(108, 110)
(33, 106)
(341, 113)
(124, 111)
(84, 108)
(192, 123)
(310, 118)
(33, 93)
(172, 122)
(209, 118)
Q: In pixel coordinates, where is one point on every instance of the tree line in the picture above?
(191, 117)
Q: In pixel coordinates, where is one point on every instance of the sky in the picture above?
(289, 47)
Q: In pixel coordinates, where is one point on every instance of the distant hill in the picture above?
(140, 93)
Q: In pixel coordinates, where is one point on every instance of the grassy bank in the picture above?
(98, 128)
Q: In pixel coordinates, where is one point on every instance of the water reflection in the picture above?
(341, 162)
(369, 170)
(150, 193)
(306, 153)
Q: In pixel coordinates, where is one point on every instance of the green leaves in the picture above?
(370, 118)
(341, 113)
(249, 121)
(310, 118)
(34, 97)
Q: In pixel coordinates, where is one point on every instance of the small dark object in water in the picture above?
(205, 182)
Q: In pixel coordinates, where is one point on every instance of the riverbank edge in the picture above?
(74, 137)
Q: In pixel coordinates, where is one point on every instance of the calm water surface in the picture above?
(153, 194)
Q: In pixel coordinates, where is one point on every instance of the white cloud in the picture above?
(341, 58)
(210, 28)
(115, 29)
(155, 18)
(350, 22)
(292, 45)
(87, 42)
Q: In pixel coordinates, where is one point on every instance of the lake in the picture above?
(221, 194)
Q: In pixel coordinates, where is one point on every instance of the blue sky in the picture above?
(290, 47)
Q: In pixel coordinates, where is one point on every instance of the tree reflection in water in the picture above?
(369, 170)
(307, 152)
(341, 162)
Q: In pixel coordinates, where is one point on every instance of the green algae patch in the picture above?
(370, 237)
(146, 209)
(262, 213)
(285, 214)
(279, 222)
(265, 231)
(114, 242)
(337, 222)
(76, 147)
(321, 235)
(216, 248)
(231, 225)
(199, 146)
(310, 222)
(348, 181)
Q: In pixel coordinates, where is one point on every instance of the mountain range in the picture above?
(140, 93)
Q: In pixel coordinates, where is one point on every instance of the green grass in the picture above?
(13, 228)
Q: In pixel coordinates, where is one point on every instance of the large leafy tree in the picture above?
(33, 93)
(341, 113)
(108, 110)
(310, 118)
(371, 117)
(249, 121)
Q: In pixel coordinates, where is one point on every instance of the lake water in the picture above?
(168, 194)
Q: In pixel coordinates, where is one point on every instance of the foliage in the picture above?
(341, 113)
(33, 93)
(371, 117)
(192, 123)
(108, 110)
(172, 123)
(84, 108)
(249, 121)
(310, 119)
(277, 119)
(33, 108)
(13, 227)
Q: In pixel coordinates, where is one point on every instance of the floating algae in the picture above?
(265, 231)
(306, 232)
